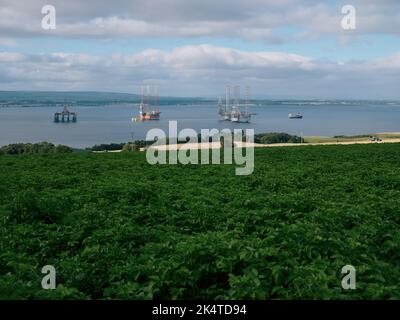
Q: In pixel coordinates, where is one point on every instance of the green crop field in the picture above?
(114, 226)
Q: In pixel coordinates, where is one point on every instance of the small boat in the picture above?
(298, 115)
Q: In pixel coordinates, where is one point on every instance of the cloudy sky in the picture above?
(282, 49)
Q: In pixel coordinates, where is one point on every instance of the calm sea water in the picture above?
(112, 123)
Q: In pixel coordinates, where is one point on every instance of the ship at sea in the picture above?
(233, 113)
(298, 115)
(237, 115)
(149, 95)
(240, 117)
(149, 115)
(223, 112)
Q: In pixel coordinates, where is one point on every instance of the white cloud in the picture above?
(252, 19)
(202, 70)
(10, 57)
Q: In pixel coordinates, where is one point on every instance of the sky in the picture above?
(288, 49)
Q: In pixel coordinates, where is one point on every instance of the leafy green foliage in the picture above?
(276, 137)
(116, 227)
(107, 147)
(130, 146)
(29, 148)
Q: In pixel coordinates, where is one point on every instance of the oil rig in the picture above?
(232, 112)
(149, 95)
(65, 115)
(223, 111)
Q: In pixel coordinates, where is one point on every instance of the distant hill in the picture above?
(93, 98)
(54, 98)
